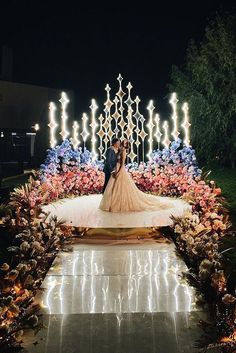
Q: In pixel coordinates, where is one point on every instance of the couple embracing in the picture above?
(120, 194)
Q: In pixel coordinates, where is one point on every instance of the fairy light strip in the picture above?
(52, 124)
(64, 100)
(108, 118)
(94, 126)
(157, 133)
(120, 94)
(85, 133)
(101, 135)
(186, 124)
(173, 101)
(166, 141)
(150, 127)
(75, 139)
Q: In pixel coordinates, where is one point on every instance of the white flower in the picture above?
(24, 246)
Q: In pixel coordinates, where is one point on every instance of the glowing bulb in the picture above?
(36, 127)
(52, 124)
(64, 100)
(94, 126)
(186, 124)
(85, 132)
(158, 133)
(173, 101)
(150, 127)
(166, 140)
(75, 139)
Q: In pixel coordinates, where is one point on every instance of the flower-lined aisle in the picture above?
(37, 241)
(172, 172)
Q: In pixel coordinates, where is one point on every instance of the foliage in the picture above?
(208, 82)
(36, 242)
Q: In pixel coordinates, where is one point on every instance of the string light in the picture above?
(75, 139)
(166, 141)
(52, 124)
(129, 134)
(186, 124)
(158, 133)
(173, 101)
(108, 104)
(121, 95)
(94, 126)
(101, 135)
(64, 117)
(137, 117)
(150, 127)
(116, 116)
(85, 132)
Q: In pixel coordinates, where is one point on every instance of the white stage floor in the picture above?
(83, 211)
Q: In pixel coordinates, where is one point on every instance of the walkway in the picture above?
(117, 299)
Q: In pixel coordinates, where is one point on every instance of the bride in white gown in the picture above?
(122, 195)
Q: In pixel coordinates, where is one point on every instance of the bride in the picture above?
(122, 195)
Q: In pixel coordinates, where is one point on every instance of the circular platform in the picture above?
(83, 211)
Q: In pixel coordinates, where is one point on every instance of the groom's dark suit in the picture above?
(110, 165)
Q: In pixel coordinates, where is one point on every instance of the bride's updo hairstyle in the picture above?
(125, 144)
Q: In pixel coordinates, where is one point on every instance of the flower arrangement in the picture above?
(37, 239)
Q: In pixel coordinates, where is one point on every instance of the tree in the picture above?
(208, 82)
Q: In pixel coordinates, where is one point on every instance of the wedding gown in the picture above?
(122, 195)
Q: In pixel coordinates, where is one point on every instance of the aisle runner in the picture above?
(120, 298)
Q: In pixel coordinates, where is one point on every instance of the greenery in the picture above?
(208, 82)
(226, 180)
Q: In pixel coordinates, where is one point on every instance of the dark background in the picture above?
(82, 47)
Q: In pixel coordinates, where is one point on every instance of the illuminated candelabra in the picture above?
(101, 135)
(85, 133)
(186, 124)
(75, 137)
(137, 117)
(129, 135)
(52, 124)
(166, 142)
(150, 127)
(120, 94)
(64, 117)
(173, 101)
(116, 116)
(94, 126)
(108, 119)
(157, 133)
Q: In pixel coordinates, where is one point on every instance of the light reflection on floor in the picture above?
(117, 280)
(117, 299)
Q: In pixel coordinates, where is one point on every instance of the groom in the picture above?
(111, 161)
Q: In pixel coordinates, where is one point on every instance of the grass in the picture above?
(226, 180)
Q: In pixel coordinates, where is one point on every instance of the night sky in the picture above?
(84, 47)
